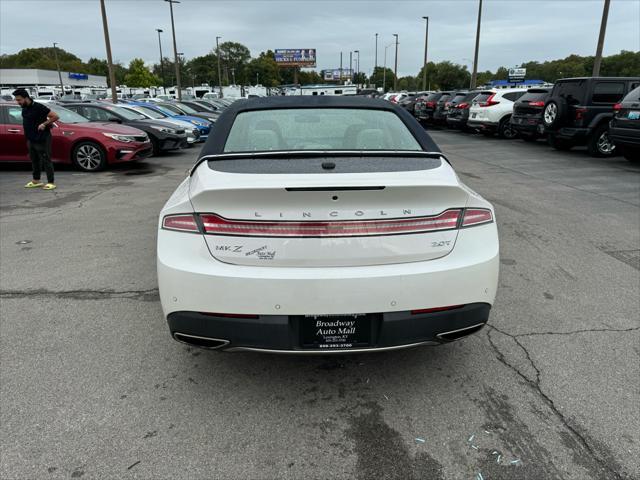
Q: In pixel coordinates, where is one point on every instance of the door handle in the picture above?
(13, 130)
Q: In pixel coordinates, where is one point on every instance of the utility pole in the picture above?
(233, 75)
(340, 68)
(175, 48)
(112, 75)
(384, 69)
(351, 66)
(219, 70)
(474, 75)
(426, 43)
(357, 66)
(376, 61)
(395, 70)
(164, 86)
(603, 27)
(55, 54)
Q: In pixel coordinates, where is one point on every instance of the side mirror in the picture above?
(114, 119)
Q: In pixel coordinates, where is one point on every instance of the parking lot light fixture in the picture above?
(164, 85)
(219, 69)
(55, 53)
(375, 65)
(603, 27)
(175, 49)
(395, 70)
(474, 74)
(357, 65)
(384, 68)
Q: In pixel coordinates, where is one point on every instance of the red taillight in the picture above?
(436, 309)
(430, 104)
(181, 222)
(617, 107)
(536, 104)
(463, 105)
(489, 101)
(476, 216)
(216, 225)
(580, 113)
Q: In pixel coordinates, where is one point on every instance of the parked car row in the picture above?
(601, 113)
(93, 134)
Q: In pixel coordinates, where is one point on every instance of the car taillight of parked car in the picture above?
(536, 104)
(580, 113)
(617, 107)
(489, 101)
(463, 105)
(430, 104)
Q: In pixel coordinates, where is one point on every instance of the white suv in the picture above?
(491, 111)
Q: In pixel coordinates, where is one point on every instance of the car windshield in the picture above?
(186, 108)
(150, 112)
(171, 108)
(126, 113)
(319, 129)
(67, 116)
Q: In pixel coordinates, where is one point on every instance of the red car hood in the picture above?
(107, 127)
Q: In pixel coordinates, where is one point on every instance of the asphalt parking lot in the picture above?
(92, 386)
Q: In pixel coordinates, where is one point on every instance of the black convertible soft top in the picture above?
(218, 137)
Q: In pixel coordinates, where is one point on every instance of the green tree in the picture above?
(381, 79)
(139, 75)
(234, 57)
(263, 70)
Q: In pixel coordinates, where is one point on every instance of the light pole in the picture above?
(357, 65)
(107, 42)
(175, 48)
(340, 68)
(426, 43)
(474, 74)
(233, 75)
(384, 69)
(603, 27)
(351, 66)
(55, 54)
(376, 61)
(219, 69)
(164, 89)
(395, 70)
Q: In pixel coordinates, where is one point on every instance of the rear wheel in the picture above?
(631, 154)
(89, 157)
(155, 146)
(599, 143)
(505, 130)
(559, 143)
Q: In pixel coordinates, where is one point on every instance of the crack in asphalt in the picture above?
(149, 295)
(572, 332)
(535, 385)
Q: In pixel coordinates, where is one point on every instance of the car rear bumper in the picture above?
(191, 280)
(482, 125)
(576, 135)
(282, 333)
(528, 125)
(626, 137)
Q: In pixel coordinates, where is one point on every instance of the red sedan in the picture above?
(90, 146)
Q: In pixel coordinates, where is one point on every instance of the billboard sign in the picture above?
(78, 76)
(296, 57)
(517, 74)
(335, 74)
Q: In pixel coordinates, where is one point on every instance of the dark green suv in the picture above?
(578, 112)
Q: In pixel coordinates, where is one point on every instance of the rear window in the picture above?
(432, 97)
(483, 97)
(444, 98)
(534, 96)
(471, 96)
(633, 96)
(513, 96)
(458, 97)
(572, 92)
(319, 129)
(607, 92)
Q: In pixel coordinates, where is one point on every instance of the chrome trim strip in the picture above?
(439, 335)
(224, 342)
(329, 352)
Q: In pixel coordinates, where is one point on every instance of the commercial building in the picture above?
(34, 77)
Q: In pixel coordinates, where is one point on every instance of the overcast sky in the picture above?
(512, 31)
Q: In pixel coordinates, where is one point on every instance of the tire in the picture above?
(554, 113)
(631, 154)
(599, 144)
(155, 146)
(89, 157)
(505, 130)
(559, 143)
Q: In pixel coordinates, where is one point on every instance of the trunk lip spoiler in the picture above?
(318, 153)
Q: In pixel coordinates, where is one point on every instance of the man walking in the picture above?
(36, 122)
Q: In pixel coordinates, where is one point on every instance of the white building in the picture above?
(34, 77)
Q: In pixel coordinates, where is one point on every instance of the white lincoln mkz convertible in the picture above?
(324, 224)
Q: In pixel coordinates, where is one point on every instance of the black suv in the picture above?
(624, 128)
(578, 112)
(426, 106)
(527, 114)
(459, 111)
(439, 116)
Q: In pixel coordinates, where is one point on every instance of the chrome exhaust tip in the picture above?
(201, 342)
(459, 333)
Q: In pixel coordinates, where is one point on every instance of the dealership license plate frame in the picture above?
(633, 114)
(336, 334)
